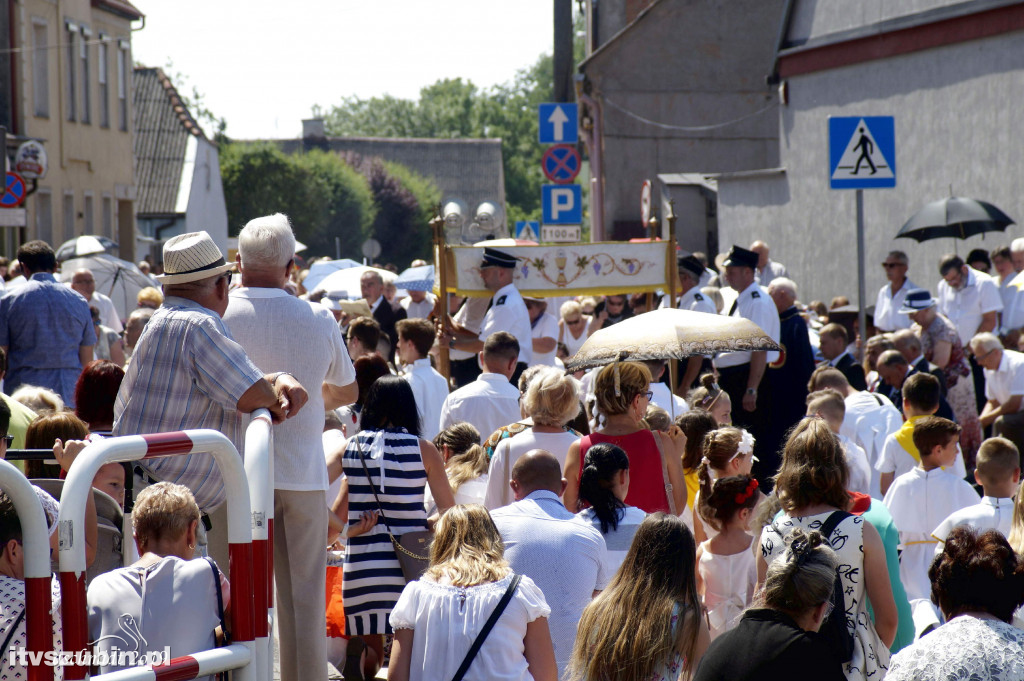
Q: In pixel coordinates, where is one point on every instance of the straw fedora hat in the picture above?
(191, 257)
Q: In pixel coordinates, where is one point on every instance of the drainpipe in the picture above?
(595, 146)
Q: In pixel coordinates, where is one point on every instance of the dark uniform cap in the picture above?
(495, 258)
(741, 257)
(691, 265)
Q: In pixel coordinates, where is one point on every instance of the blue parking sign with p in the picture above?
(562, 204)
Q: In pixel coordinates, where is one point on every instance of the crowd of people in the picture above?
(845, 508)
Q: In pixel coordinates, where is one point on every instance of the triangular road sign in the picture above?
(526, 231)
(862, 158)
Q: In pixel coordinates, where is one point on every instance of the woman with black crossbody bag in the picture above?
(470, 618)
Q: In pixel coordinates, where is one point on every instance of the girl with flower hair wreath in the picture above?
(728, 452)
(726, 571)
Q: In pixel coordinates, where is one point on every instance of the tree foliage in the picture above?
(322, 195)
(454, 108)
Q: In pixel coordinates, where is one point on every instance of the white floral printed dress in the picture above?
(966, 647)
(870, 655)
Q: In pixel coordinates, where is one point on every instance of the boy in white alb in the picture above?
(899, 454)
(429, 388)
(998, 473)
(925, 496)
(829, 405)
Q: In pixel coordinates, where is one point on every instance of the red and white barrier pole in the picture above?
(259, 467)
(72, 546)
(35, 541)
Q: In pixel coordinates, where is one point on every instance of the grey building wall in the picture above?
(819, 18)
(684, 64)
(956, 129)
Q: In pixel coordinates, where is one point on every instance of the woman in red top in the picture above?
(655, 459)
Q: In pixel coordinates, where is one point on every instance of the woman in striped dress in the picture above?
(400, 465)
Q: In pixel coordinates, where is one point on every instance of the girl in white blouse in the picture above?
(439, 616)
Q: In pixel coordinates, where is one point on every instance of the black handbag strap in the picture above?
(10, 634)
(488, 625)
(220, 595)
(394, 542)
(831, 523)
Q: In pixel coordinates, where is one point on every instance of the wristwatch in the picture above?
(752, 391)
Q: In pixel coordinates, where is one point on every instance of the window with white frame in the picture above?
(71, 42)
(83, 55)
(69, 215)
(102, 73)
(123, 73)
(40, 69)
(44, 215)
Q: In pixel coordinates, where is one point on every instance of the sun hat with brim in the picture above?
(191, 257)
(917, 299)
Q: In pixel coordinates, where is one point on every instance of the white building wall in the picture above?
(957, 111)
(206, 207)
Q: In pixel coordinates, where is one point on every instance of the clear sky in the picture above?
(262, 65)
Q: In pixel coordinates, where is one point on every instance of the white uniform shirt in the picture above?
(692, 300)
(772, 271)
(489, 403)
(918, 501)
(965, 307)
(664, 398)
(755, 304)
(508, 313)
(1013, 306)
(857, 464)
(430, 390)
(265, 322)
(420, 310)
(1007, 380)
(870, 419)
(887, 305)
(546, 327)
(993, 513)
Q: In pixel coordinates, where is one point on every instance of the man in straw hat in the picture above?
(187, 371)
(507, 311)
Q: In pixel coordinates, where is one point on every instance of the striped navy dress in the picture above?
(373, 579)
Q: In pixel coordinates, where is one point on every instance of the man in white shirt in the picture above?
(429, 388)
(280, 331)
(740, 372)
(507, 311)
(490, 401)
(767, 270)
(84, 283)
(870, 418)
(968, 298)
(545, 332)
(1004, 387)
(890, 296)
(663, 397)
(1003, 265)
(690, 271)
(563, 555)
(418, 304)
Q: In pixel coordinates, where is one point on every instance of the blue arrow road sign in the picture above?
(562, 204)
(558, 123)
(862, 152)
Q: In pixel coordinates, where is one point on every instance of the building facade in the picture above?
(71, 90)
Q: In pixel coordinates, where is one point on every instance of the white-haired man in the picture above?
(264, 318)
(767, 270)
(1004, 387)
(1017, 254)
(788, 375)
(188, 372)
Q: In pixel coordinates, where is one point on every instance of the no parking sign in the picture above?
(14, 191)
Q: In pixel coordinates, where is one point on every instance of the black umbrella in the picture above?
(954, 218)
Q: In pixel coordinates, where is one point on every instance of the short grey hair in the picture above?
(267, 242)
(783, 284)
(905, 338)
(900, 257)
(985, 341)
(892, 358)
(1017, 245)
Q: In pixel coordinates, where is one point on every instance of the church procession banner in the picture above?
(606, 268)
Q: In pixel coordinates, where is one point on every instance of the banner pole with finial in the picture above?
(673, 364)
(441, 272)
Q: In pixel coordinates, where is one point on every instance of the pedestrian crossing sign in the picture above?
(862, 152)
(528, 230)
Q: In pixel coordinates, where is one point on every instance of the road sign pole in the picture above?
(862, 315)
